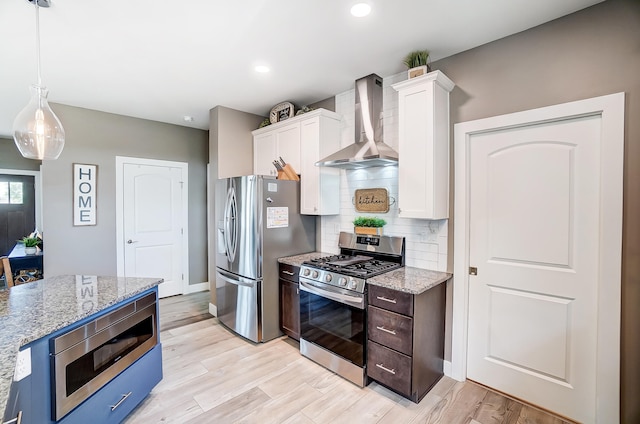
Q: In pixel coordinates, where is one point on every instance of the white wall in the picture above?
(426, 240)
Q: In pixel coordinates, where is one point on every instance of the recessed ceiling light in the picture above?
(188, 118)
(262, 69)
(360, 10)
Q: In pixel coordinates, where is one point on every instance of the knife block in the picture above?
(288, 174)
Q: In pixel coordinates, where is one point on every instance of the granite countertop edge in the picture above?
(410, 280)
(24, 318)
(406, 279)
(42, 331)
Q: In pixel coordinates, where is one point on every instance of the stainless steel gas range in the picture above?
(333, 301)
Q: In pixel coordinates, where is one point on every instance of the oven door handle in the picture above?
(357, 301)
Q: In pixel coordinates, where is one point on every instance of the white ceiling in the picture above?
(164, 59)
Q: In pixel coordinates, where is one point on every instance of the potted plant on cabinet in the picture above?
(30, 244)
(369, 225)
(417, 63)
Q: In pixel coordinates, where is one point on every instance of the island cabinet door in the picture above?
(19, 403)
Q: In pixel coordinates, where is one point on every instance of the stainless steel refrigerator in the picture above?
(258, 221)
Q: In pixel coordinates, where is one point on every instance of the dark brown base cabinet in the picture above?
(289, 300)
(405, 350)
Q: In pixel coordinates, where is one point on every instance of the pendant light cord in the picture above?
(38, 41)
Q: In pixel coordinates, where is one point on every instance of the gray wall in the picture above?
(10, 157)
(94, 137)
(230, 155)
(230, 133)
(590, 53)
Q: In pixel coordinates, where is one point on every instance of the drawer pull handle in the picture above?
(386, 299)
(386, 330)
(382, 367)
(16, 420)
(287, 272)
(124, 397)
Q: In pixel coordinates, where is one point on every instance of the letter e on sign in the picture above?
(85, 178)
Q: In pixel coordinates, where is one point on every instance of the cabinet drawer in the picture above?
(116, 400)
(389, 367)
(288, 272)
(391, 329)
(392, 300)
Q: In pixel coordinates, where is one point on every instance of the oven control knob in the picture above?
(306, 272)
(328, 278)
(342, 281)
(353, 284)
(314, 274)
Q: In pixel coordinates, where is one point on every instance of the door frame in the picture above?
(120, 162)
(611, 110)
(37, 187)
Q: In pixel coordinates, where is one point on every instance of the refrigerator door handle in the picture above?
(230, 224)
(235, 279)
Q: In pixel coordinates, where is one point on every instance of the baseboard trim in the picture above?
(213, 309)
(194, 288)
(448, 371)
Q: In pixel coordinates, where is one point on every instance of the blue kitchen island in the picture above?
(78, 349)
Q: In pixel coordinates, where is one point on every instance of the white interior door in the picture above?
(153, 203)
(538, 212)
(534, 239)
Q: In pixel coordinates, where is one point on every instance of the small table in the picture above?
(19, 260)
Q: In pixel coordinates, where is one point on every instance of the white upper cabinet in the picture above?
(302, 141)
(423, 146)
(281, 141)
(320, 186)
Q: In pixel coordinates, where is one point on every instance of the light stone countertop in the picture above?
(34, 310)
(410, 280)
(405, 279)
(297, 260)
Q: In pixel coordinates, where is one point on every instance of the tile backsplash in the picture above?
(426, 240)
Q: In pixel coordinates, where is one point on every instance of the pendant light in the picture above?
(37, 131)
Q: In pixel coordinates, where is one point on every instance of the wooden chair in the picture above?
(5, 268)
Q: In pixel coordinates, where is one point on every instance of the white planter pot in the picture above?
(30, 250)
(417, 71)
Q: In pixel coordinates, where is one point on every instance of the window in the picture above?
(11, 192)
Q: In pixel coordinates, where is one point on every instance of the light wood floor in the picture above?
(214, 376)
(177, 311)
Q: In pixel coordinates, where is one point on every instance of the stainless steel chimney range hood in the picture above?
(368, 150)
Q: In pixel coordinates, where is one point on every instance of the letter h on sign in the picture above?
(85, 179)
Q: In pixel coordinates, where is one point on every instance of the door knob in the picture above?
(131, 241)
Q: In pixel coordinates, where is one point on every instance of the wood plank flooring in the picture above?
(177, 311)
(214, 376)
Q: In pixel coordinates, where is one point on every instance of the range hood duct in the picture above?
(368, 150)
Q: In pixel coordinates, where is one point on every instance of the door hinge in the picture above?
(182, 277)
(473, 270)
(181, 231)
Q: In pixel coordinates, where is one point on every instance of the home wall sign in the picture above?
(85, 178)
(372, 200)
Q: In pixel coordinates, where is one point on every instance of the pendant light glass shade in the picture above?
(37, 131)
